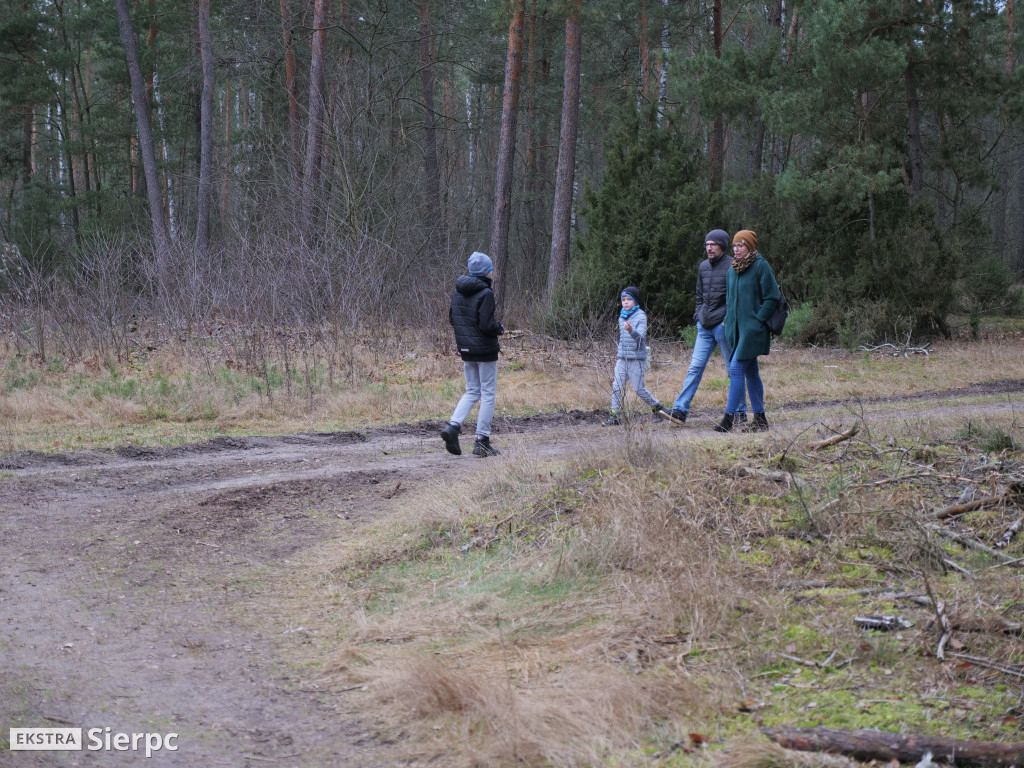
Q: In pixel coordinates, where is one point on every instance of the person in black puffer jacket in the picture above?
(709, 317)
(476, 335)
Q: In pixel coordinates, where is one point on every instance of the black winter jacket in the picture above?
(472, 315)
(711, 291)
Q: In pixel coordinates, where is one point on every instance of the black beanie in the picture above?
(633, 292)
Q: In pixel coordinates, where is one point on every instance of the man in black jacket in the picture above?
(476, 335)
(709, 316)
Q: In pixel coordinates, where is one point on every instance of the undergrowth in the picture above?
(604, 612)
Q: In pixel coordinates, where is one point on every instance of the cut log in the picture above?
(866, 745)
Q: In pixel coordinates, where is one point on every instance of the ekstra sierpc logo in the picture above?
(105, 739)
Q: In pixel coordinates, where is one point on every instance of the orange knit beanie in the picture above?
(746, 236)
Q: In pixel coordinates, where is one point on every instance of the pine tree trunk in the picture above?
(507, 151)
(561, 217)
(150, 46)
(1002, 196)
(145, 138)
(645, 53)
(28, 166)
(204, 197)
(531, 185)
(430, 137)
(294, 130)
(913, 120)
(717, 148)
(663, 77)
(311, 187)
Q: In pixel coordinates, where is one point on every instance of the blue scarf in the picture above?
(625, 314)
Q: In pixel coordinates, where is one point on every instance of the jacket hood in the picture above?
(467, 285)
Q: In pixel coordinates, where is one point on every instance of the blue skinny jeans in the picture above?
(703, 348)
(744, 380)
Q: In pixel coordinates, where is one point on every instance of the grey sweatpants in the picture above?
(634, 371)
(482, 386)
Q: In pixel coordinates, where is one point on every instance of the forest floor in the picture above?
(133, 580)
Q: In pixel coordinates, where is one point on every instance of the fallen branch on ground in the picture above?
(1009, 533)
(995, 624)
(967, 541)
(1012, 670)
(835, 438)
(958, 509)
(775, 477)
(867, 745)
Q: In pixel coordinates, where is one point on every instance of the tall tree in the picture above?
(429, 134)
(565, 175)
(145, 137)
(311, 187)
(507, 149)
(645, 53)
(716, 149)
(204, 201)
(294, 128)
(913, 108)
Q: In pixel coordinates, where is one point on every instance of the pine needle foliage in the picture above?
(645, 223)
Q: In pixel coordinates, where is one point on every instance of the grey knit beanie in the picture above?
(480, 264)
(719, 237)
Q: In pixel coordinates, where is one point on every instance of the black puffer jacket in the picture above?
(472, 315)
(711, 291)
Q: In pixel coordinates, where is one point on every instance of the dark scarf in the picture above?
(741, 264)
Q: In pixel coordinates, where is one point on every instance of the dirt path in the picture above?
(130, 581)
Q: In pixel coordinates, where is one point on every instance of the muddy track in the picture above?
(130, 579)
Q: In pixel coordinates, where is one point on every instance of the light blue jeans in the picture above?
(745, 379)
(482, 386)
(703, 347)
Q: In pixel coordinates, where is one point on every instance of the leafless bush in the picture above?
(97, 303)
(30, 285)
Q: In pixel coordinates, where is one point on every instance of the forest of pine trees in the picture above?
(309, 161)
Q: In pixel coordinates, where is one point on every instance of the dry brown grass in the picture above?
(634, 603)
(765, 754)
(186, 390)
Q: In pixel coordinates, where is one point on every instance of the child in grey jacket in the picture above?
(631, 356)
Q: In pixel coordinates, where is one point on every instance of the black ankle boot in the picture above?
(725, 425)
(759, 424)
(450, 435)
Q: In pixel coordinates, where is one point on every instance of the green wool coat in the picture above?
(750, 298)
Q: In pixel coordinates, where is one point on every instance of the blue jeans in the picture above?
(745, 379)
(703, 347)
(482, 386)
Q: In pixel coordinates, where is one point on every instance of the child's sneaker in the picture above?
(483, 448)
(450, 435)
(611, 421)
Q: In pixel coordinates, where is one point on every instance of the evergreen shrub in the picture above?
(644, 226)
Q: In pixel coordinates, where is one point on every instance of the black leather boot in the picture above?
(759, 424)
(725, 425)
(450, 435)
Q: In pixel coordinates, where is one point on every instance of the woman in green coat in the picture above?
(751, 295)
